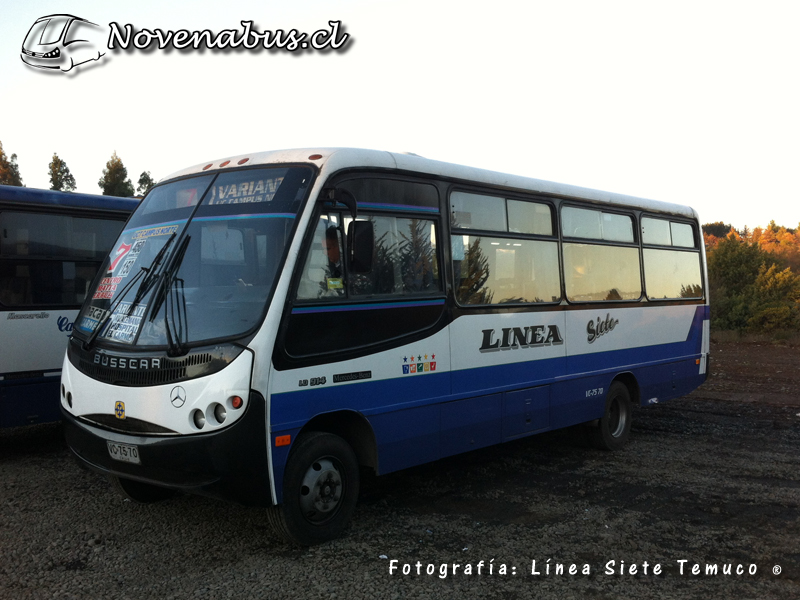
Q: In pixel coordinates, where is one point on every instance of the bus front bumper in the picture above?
(230, 464)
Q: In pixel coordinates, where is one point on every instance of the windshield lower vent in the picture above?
(127, 425)
(171, 371)
(139, 370)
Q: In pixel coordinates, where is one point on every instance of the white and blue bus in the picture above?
(268, 324)
(51, 246)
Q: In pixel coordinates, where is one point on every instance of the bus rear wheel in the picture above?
(320, 490)
(139, 492)
(614, 427)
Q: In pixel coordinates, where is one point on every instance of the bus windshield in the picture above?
(198, 259)
(46, 31)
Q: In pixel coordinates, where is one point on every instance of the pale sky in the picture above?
(696, 103)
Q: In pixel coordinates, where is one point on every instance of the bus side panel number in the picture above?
(124, 452)
(594, 392)
(312, 382)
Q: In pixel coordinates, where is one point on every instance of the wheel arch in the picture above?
(629, 380)
(354, 428)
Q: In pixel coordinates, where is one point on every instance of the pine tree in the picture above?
(114, 181)
(145, 183)
(9, 171)
(61, 179)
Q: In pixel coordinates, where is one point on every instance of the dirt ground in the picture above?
(708, 482)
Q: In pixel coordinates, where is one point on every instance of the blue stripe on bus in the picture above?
(156, 225)
(403, 207)
(412, 391)
(376, 306)
(253, 216)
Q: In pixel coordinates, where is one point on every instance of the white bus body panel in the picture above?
(161, 404)
(34, 340)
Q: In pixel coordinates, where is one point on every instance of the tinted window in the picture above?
(594, 272)
(669, 274)
(617, 228)
(51, 259)
(682, 235)
(660, 232)
(490, 270)
(405, 259)
(55, 236)
(597, 225)
(476, 211)
(529, 217)
(404, 263)
(582, 223)
(323, 272)
(656, 232)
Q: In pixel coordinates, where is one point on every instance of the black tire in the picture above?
(141, 493)
(614, 428)
(320, 490)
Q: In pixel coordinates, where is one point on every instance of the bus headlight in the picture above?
(199, 419)
(220, 413)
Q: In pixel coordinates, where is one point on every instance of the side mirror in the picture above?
(360, 246)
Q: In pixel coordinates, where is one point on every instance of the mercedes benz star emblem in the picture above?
(177, 396)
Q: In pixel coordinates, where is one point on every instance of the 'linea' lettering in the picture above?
(513, 338)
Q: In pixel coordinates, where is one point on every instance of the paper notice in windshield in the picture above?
(122, 327)
(255, 190)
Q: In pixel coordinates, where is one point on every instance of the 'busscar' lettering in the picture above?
(127, 363)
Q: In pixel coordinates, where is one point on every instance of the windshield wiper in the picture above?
(150, 275)
(153, 273)
(176, 324)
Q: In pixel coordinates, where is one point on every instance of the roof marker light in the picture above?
(244, 160)
(208, 166)
(225, 164)
(315, 157)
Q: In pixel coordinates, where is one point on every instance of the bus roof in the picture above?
(331, 160)
(34, 196)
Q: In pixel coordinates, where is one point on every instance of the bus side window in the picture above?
(405, 260)
(323, 273)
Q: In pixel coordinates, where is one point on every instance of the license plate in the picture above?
(124, 452)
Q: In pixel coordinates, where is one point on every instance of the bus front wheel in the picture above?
(320, 489)
(614, 427)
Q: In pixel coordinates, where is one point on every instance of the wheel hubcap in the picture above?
(321, 491)
(617, 418)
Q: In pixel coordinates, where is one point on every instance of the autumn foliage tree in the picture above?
(61, 179)
(145, 183)
(114, 181)
(754, 284)
(9, 171)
